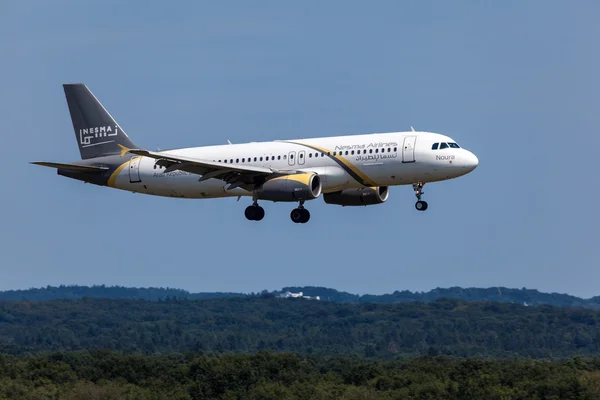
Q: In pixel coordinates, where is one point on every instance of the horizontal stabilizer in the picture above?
(70, 167)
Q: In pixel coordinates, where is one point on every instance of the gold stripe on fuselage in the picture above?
(113, 177)
(348, 166)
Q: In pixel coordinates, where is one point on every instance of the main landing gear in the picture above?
(420, 204)
(254, 212)
(300, 215)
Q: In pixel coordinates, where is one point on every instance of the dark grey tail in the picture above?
(97, 133)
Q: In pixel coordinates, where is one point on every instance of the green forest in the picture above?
(309, 327)
(110, 376)
(261, 346)
(496, 294)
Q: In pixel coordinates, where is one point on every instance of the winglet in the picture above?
(124, 150)
(412, 129)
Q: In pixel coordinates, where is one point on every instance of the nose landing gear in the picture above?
(420, 204)
(300, 215)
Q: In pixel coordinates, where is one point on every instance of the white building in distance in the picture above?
(298, 295)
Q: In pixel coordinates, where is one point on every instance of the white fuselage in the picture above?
(343, 162)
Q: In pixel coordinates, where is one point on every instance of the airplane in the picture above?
(353, 170)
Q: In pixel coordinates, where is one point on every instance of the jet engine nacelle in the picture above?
(291, 188)
(358, 197)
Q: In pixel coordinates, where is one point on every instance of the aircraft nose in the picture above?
(471, 161)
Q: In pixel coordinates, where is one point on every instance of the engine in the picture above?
(291, 188)
(358, 197)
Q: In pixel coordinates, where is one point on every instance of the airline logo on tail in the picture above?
(88, 136)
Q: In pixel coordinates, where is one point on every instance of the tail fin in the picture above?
(97, 133)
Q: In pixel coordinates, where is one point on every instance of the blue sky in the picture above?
(517, 83)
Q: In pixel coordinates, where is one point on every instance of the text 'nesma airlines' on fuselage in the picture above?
(354, 170)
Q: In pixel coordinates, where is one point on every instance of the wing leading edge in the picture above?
(244, 176)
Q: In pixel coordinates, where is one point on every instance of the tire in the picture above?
(296, 215)
(249, 213)
(259, 213)
(421, 205)
(305, 216)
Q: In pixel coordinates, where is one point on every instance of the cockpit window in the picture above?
(454, 145)
(435, 146)
(444, 146)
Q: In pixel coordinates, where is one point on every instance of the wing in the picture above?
(243, 176)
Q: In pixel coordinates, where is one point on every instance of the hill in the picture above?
(497, 294)
(106, 292)
(385, 331)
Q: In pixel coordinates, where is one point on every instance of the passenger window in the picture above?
(376, 150)
(395, 149)
(237, 160)
(231, 161)
(225, 160)
(352, 152)
(284, 157)
(243, 160)
(261, 159)
(435, 146)
(443, 146)
(322, 154)
(370, 151)
(279, 157)
(309, 155)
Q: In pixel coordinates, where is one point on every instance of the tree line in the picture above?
(264, 375)
(495, 294)
(246, 325)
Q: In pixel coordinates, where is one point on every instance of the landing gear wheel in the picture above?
(259, 214)
(305, 215)
(300, 215)
(254, 213)
(421, 205)
(297, 215)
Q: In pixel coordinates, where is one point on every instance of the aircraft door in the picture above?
(408, 149)
(292, 158)
(301, 157)
(134, 169)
